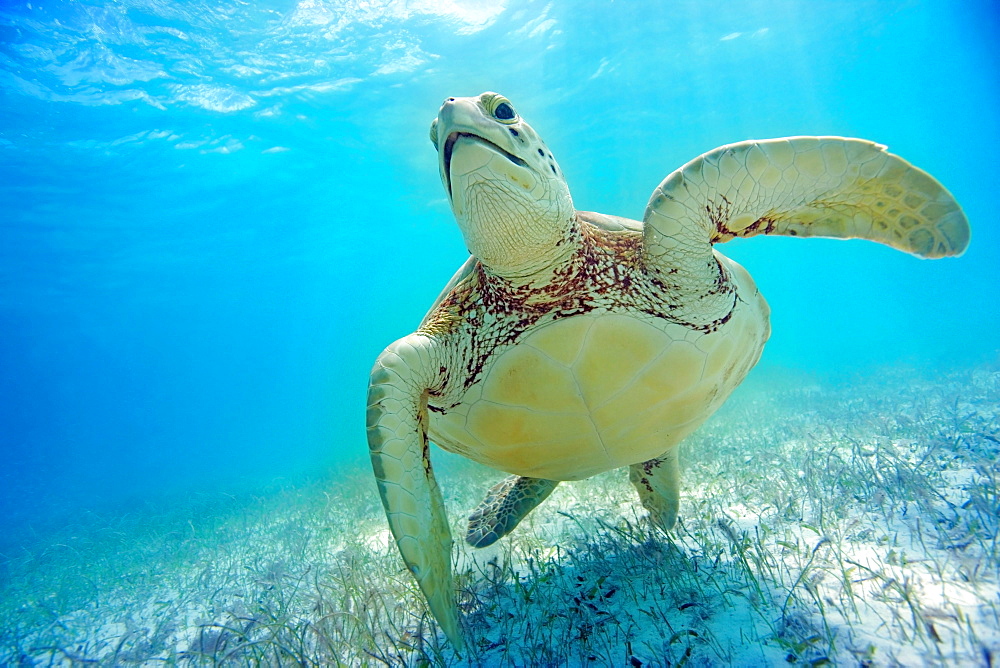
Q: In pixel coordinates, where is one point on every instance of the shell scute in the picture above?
(617, 348)
(528, 378)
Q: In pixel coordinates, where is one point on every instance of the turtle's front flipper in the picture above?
(801, 186)
(505, 505)
(397, 439)
(658, 482)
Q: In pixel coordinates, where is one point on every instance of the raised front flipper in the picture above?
(397, 439)
(658, 482)
(802, 186)
(505, 505)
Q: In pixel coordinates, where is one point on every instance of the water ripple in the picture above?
(216, 56)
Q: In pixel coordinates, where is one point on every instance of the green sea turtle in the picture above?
(572, 342)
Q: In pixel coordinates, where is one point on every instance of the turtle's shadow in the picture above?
(623, 590)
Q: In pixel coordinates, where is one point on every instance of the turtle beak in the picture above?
(434, 134)
(449, 147)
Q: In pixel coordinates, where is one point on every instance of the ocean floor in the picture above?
(823, 522)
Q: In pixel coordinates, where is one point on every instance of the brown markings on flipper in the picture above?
(658, 483)
(506, 504)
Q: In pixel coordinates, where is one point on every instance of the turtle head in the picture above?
(507, 192)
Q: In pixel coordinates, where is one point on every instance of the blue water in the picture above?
(214, 215)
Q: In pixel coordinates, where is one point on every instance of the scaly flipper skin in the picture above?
(658, 482)
(798, 186)
(397, 441)
(505, 505)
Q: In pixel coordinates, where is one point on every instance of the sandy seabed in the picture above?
(823, 522)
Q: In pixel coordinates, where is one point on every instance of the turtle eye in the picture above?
(500, 108)
(504, 112)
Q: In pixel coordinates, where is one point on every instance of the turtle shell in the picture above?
(585, 394)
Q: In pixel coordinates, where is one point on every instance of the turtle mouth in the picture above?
(449, 147)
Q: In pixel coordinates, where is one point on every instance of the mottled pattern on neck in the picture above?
(485, 314)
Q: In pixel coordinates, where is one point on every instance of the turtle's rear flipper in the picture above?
(505, 505)
(658, 482)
